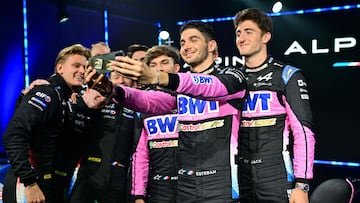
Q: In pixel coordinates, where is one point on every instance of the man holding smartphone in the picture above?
(102, 175)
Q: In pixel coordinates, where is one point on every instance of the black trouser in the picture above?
(263, 183)
(162, 190)
(89, 188)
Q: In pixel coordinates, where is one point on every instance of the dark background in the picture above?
(334, 91)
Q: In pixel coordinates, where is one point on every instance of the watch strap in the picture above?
(302, 186)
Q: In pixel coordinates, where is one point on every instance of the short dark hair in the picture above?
(136, 47)
(161, 50)
(205, 28)
(260, 18)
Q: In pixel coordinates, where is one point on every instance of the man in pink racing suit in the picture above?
(276, 116)
(209, 103)
(154, 167)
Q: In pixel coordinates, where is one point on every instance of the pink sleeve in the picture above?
(304, 147)
(148, 101)
(207, 87)
(140, 167)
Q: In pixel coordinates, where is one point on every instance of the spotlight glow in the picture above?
(164, 35)
(277, 7)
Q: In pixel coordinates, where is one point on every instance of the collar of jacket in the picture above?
(59, 83)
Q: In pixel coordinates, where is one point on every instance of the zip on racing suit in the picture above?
(277, 107)
(208, 129)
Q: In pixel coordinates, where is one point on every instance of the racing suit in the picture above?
(37, 126)
(208, 129)
(102, 175)
(276, 108)
(154, 161)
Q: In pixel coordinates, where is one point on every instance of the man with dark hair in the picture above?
(276, 108)
(35, 131)
(137, 51)
(154, 160)
(209, 103)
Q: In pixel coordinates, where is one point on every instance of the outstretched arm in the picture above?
(228, 84)
(145, 101)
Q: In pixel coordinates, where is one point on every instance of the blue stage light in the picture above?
(106, 27)
(337, 163)
(297, 12)
(26, 56)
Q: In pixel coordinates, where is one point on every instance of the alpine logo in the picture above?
(266, 77)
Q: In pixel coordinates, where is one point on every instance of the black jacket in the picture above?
(37, 122)
(109, 143)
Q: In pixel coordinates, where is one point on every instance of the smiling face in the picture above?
(250, 40)
(164, 63)
(195, 50)
(72, 69)
(117, 79)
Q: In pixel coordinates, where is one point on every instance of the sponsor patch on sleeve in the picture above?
(202, 80)
(288, 72)
(40, 100)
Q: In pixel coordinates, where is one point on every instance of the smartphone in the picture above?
(102, 62)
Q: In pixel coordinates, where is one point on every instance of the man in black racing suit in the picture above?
(32, 137)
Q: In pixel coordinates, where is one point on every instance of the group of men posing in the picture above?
(213, 134)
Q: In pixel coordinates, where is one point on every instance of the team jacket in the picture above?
(36, 124)
(47, 125)
(108, 144)
(208, 130)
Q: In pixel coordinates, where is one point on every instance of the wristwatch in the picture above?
(303, 186)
